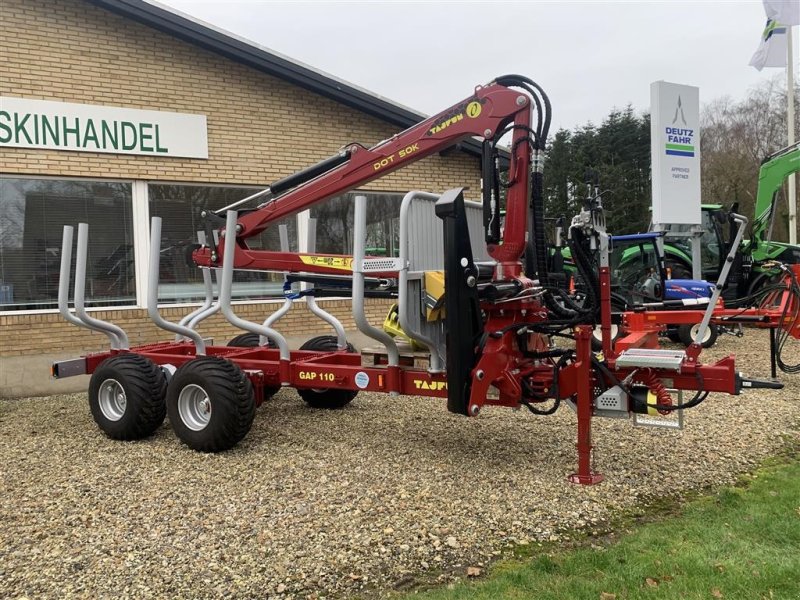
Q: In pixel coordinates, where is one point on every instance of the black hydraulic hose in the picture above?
(576, 243)
(570, 309)
(525, 82)
(553, 390)
(539, 242)
(745, 300)
(536, 250)
(537, 246)
(784, 333)
(698, 398)
(310, 173)
(536, 411)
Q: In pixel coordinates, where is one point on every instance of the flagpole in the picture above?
(790, 134)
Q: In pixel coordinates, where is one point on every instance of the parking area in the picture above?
(319, 503)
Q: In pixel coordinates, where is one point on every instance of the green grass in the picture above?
(743, 543)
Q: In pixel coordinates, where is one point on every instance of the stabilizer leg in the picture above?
(583, 347)
(463, 316)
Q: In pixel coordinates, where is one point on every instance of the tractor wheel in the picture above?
(687, 334)
(678, 269)
(126, 396)
(251, 340)
(210, 404)
(330, 398)
(763, 280)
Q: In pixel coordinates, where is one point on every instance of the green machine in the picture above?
(753, 269)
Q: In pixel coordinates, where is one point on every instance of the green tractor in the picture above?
(753, 269)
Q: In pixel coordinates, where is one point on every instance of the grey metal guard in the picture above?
(227, 285)
(283, 232)
(723, 276)
(116, 341)
(116, 335)
(359, 316)
(186, 321)
(404, 308)
(311, 302)
(421, 249)
(214, 308)
(211, 310)
(152, 291)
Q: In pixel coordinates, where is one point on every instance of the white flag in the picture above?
(785, 12)
(773, 48)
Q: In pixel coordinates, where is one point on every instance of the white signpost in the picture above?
(675, 152)
(27, 123)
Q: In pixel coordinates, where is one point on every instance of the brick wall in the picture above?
(26, 335)
(260, 128)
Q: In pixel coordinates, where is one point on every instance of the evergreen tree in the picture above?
(619, 152)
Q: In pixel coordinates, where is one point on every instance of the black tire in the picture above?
(678, 269)
(616, 330)
(252, 340)
(597, 336)
(686, 335)
(763, 280)
(249, 340)
(672, 335)
(328, 398)
(141, 408)
(227, 396)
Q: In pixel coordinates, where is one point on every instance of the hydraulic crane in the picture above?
(489, 335)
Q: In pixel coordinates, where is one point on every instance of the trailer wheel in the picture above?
(687, 334)
(210, 404)
(597, 336)
(672, 335)
(252, 340)
(617, 307)
(330, 398)
(126, 396)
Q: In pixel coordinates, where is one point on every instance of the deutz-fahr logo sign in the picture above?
(680, 139)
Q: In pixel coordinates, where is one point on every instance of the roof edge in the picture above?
(236, 48)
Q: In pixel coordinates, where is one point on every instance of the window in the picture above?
(33, 213)
(179, 207)
(335, 224)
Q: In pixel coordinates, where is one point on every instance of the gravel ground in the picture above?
(329, 504)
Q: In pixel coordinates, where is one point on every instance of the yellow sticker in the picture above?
(315, 376)
(421, 384)
(342, 263)
(473, 109)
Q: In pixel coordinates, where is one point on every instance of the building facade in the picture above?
(96, 65)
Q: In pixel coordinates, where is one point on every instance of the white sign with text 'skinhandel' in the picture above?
(27, 123)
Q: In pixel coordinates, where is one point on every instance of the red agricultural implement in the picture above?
(475, 295)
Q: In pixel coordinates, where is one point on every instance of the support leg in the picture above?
(585, 474)
(773, 353)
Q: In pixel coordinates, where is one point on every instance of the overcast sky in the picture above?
(589, 56)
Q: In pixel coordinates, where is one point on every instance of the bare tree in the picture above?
(736, 137)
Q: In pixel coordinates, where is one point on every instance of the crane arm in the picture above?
(489, 111)
(773, 172)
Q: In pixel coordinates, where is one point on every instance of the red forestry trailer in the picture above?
(476, 295)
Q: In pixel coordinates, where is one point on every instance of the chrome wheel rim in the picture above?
(112, 399)
(194, 407)
(696, 330)
(598, 332)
